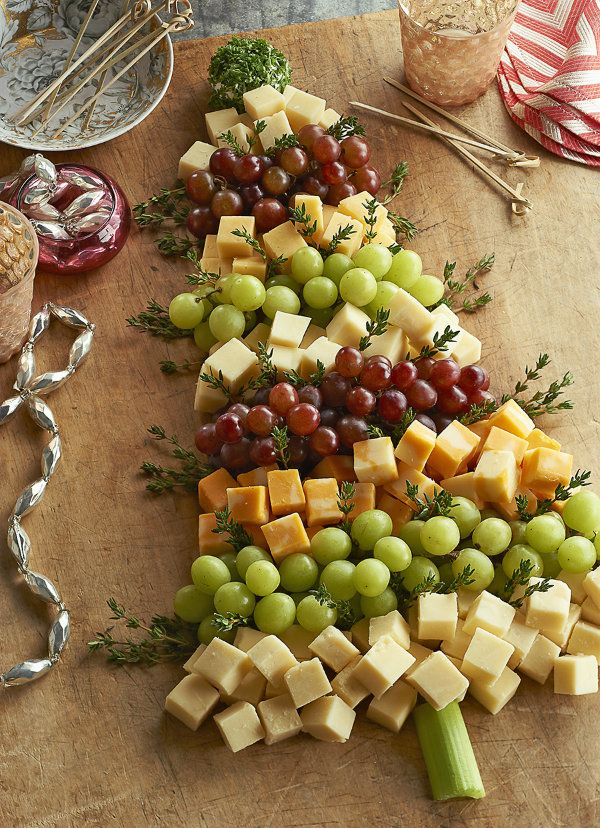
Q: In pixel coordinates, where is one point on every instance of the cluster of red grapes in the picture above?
(330, 418)
(264, 186)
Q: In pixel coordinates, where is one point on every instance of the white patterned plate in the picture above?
(35, 38)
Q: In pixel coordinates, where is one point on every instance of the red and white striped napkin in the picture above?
(549, 76)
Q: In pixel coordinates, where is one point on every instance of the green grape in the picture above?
(298, 572)
(393, 552)
(283, 280)
(373, 606)
(191, 605)
(307, 263)
(251, 320)
(313, 616)
(445, 570)
(492, 536)
(498, 585)
(369, 527)
(320, 293)
(428, 290)
(207, 631)
(577, 554)
(544, 533)
(521, 552)
(226, 322)
(203, 337)
(358, 287)
(440, 535)
(582, 512)
(247, 293)
(552, 565)
(597, 545)
(275, 613)
(223, 286)
(338, 577)
(419, 570)
(405, 269)
(209, 573)
(385, 293)
(483, 573)
(186, 311)
(410, 533)
(465, 514)
(234, 597)
(336, 265)
(262, 577)
(228, 559)
(330, 544)
(248, 555)
(280, 298)
(320, 316)
(298, 596)
(518, 529)
(371, 577)
(376, 258)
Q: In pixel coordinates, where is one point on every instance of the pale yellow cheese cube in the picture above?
(438, 680)
(548, 611)
(457, 645)
(463, 485)
(585, 640)
(360, 634)
(288, 329)
(538, 439)
(591, 585)
(465, 349)
(191, 701)
(496, 476)
(446, 313)
(220, 121)
(415, 445)
(276, 127)
(413, 623)
(333, 648)
(329, 118)
(576, 612)
(313, 209)
(240, 133)
(196, 158)
(210, 249)
(383, 665)
(230, 246)
(348, 326)
(496, 695)
(337, 222)
(274, 690)
(251, 688)
(419, 653)
(260, 333)
(437, 615)
(283, 240)
(374, 461)
(321, 350)
(392, 344)
(246, 638)
(298, 639)
(465, 598)
(279, 718)
(574, 581)
(486, 656)
(263, 102)
(235, 361)
(223, 665)
(286, 359)
(392, 624)
(408, 313)
(539, 661)
(313, 332)
(207, 399)
(347, 686)
(454, 447)
(490, 613)
(239, 726)
(576, 675)
(272, 658)
(590, 612)
(211, 264)
(511, 417)
(458, 664)
(394, 707)
(189, 664)
(250, 266)
(500, 440)
(521, 637)
(354, 206)
(543, 469)
(306, 682)
(303, 109)
(329, 719)
(289, 91)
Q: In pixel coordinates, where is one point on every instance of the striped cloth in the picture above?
(549, 76)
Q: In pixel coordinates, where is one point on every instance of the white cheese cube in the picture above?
(210, 249)
(196, 158)
(392, 624)
(298, 639)
(337, 222)
(585, 640)
(408, 313)
(457, 645)
(250, 266)
(188, 666)
(374, 461)
(329, 719)
(276, 127)
(235, 361)
(446, 313)
(313, 332)
(438, 680)
(239, 726)
(539, 661)
(283, 240)
(289, 91)
(347, 686)
(574, 581)
(286, 359)
(590, 612)
(490, 613)
(394, 707)
(191, 701)
(575, 614)
(329, 118)
(306, 682)
(521, 637)
(360, 634)
(486, 656)
(393, 344)
(274, 690)
(348, 326)
(220, 121)
(279, 718)
(419, 653)
(321, 350)
(288, 329)
(223, 665)
(413, 623)
(495, 696)
(383, 665)
(263, 102)
(591, 585)
(313, 210)
(465, 349)
(576, 675)
(334, 649)
(354, 206)
(229, 245)
(207, 399)
(548, 611)
(465, 598)
(303, 109)
(272, 658)
(437, 615)
(260, 333)
(242, 135)
(251, 688)
(458, 664)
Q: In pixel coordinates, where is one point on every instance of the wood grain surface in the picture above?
(90, 745)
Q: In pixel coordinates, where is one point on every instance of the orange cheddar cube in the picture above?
(374, 461)
(210, 542)
(496, 476)
(454, 447)
(509, 511)
(257, 534)
(481, 429)
(463, 485)
(285, 491)
(415, 445)
(256, 477)
(399, 512)
(311, 531)
(286, 536)
(339, 466)
(406, 474)
(249, 504)
(537, 439)
(511, 417)
(544, 469)
(322, 502)
(212, 490)
(363, 499)
(500, 440)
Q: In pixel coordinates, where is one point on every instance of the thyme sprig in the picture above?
(521, 577)
(478, 412)
(253, 243)
(225, 622)
(315, 378)
(406, 598)
(232, 142)
(259, 127)
(346, 503)
(541, 402)
(345, 614)
(370, 218)
(304, 220)
(166, 205)
(464, 578)
(155, 321)
(345, 127)
(342, 234)
(562, 493)
(173, 245)
(165, 479)
(403, 226)
(236, 534)
(457, 287)
(216, 382)
(167, 366)
(440, 343)
(282, 445)
(400, 429)
(376, 327)
(395, 181)
(283, 142)
(267, 374)
(426, 507)
(374, 431)
(274, 264)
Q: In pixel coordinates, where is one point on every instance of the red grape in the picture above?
(241, 410)
(333, 173)
(308, 135)
(360, 401)
(261, 397)
(222, 161)
(229, 429)
(337, 192)
(355, 152)
(206, 439)
(266, 161)
(452, 400)
(474, 377)
(298, 448)
(445, 373)
(329, 417)
(236, 455)
(251, 193)
(378, 358)
(480, 397)
(324, 441)
(391, 406)
(426, 421)
(334, 389)
(276, 181)
(313, 186)
(376, 376)
(269, 213)
(421, 395)
(263, 452)
(349, 361)
(424, 367)
(261, 420)
(282, 397)
(352, 430)
(311, 394)
(367, 178)
(227, 203)
(248, 169)
(404, 374)
(201, 222)
(294, 161)
(326, 149)
(303, 419)
(201, 187)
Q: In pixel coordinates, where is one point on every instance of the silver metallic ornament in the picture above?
(30, 388)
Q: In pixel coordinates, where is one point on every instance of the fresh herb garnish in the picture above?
(299, 216)
(173, 245)
(440, 343)
(521, 577)
(562, 493)
(370, 218)
(283, 142)
(456, 287)
(345, 127)
(395, 181)
(167, 366)
(282, 445)
(155, 321)
(376, 327)
(232, 142)
(478, 412)
(241, 65)
(343, 234)
(165, 479)
(216, 382)
(315, 378)
(399, 430)
(236, 534)
(267, 374)
(166, 205)
(374, 431)
(253, 243)
(225, 622)
(403, 226)
(345, 614)
(346, 503)
(426, 507)
(541, 402)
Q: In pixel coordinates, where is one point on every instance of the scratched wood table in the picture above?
(89, 745)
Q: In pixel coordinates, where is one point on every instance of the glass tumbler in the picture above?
(452, 49)
(18, 260)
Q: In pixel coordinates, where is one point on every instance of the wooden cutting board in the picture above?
(90, 745)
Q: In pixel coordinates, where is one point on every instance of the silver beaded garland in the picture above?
(29, 390)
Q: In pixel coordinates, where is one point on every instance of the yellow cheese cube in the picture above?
(189, 664)
(419, 653)
(313, 332)
(465, 599)
(246, 638)
(392, 624)
(329, 719)
(263, 102)
(360, 634)
(339, 466)
(463, 485)
(437, 615)
(394, 707)
(405, 475)
(212, 490)
(210, 249)
(286, 536)
(465, 349)
(548, 611)
(328, 211)
(509, 511)
(286, 359)
(347, 686)
(544, 469)
(313, 208)
(239, 726)
(321, 350)
(250, 266)
(399, 512)
(304, 108)
(298, 639)
(289, 91)
(288, 329)
(408, 313)
(383, 237)
(306, 682)
(211, 264)
(251, 688)
(486, 656)
(585, 640)
(279, 718)
(591, 585)
(511, 417)
(271, 656)
(231, 246)
(574, 581)
(382, 665)
(285, 491)
(496, 476)
(392, 344)
(413, 622)
(521, 637)
(348, 326)
(235, 361)
(363, 499)
(322, 502)
(496, 695)
(333, 648)
(329, 118)
(240, 133)
(260, 333)
(490, 613)
(456, 646)
(500, 440)
(539, 661)
(415, 445)
(191, 701)
(453, 448)
(209, 541)
(354, 206)
(276, 127)
(446, 313)
(249, 504)
(576, 613)
(196, 158)
(374, 461)
(223, 665)
(438, 680)
(283, 240)
(348, 246)
(576, 675)
(220, 121)
(537, 439)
